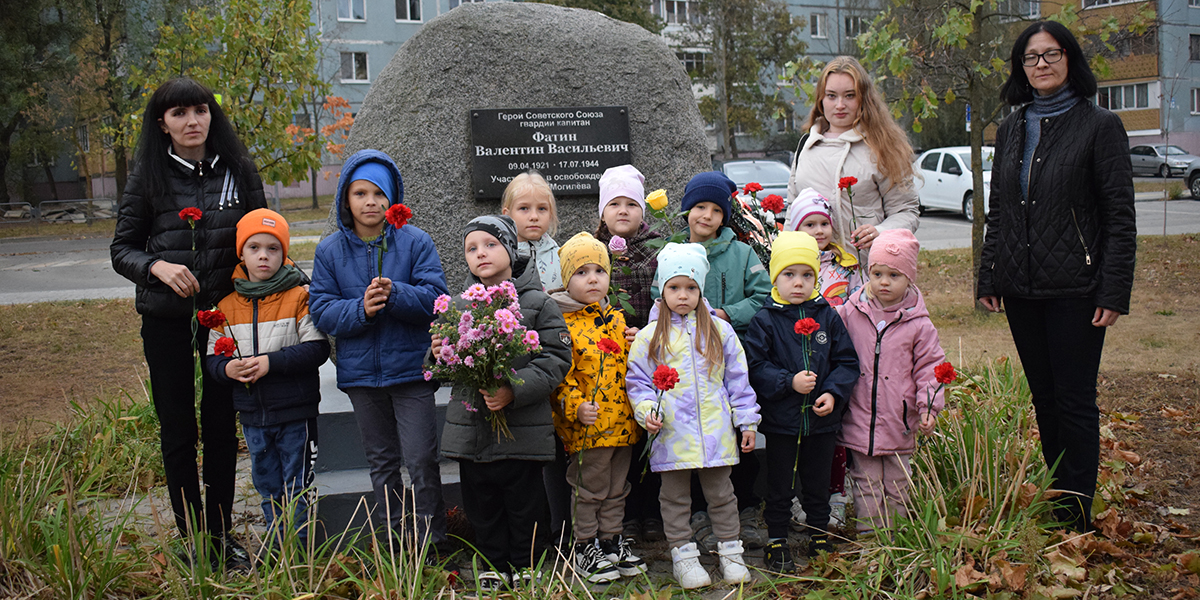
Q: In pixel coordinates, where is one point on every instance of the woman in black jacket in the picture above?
(188, 156)
(1060, 246)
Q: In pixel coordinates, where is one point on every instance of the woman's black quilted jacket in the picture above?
(1076, 233)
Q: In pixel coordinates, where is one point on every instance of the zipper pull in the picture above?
(1088, 257)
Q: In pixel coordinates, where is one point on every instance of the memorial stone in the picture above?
(506, 55)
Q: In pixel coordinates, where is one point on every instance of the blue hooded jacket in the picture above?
(389, 348)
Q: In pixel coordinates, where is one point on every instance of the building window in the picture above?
(856, 26)
(818, 25)
(106, 133)
(675, 12)
(1124, 97)
(85, 140)
(354, 67)
(781, 124)
(1095, 3)
(1194, 3)
(693, 62)
(1019, 9)
(1196, 101)
(1194, 47)
(408, 10)
(351, 10)
(456, 3)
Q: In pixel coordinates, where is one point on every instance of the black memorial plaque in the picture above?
(571, 147)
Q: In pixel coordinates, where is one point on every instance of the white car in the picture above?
(943, 179)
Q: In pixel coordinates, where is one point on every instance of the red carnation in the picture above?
(225, 346)
(751, 188)
(944, 373)
(773, 203)
(398, 215)
(846, 182)
(190, 214)
(665, 378)
(807, 326)
(608, 346)
(211, 319)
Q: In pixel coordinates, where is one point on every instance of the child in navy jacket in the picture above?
(803, 378)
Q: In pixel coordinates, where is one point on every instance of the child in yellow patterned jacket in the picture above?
(592, 414)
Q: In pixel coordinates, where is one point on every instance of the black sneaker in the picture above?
(777, 557)
(591, 563)
(233, 556)
(652, 530)
(819, 543)
(618, 552)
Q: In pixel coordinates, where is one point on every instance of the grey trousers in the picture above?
(676, 499)
(600, 489)
(398, 429)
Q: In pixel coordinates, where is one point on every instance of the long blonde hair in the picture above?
(887, 141)
(708, 337)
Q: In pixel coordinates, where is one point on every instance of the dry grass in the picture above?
(57, 352)
(1160, 334)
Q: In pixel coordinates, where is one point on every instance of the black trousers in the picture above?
(1060, 351)
(811, 482)
(506, 505)
(168, 345)
(558, 494)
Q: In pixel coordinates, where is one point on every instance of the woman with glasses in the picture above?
(1059, 248)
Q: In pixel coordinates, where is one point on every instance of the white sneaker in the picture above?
(686, 564)
(733, 568)
(799, 517)
(837, 510)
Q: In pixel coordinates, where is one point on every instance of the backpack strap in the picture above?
(799, 148)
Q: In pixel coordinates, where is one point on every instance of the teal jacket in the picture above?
(737, 282)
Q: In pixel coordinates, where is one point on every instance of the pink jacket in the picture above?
(896, 361)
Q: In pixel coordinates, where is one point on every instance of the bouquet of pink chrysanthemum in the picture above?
(480, 343)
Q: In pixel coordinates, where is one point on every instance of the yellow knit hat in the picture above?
(794, 248)
(581, 250)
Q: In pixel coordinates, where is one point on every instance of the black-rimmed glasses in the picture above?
(1050, 56)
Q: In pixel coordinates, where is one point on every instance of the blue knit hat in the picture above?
(379, 175)
(674, 260)
(710, 186)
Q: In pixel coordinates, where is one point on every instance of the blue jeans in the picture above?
(399, 428)
(282, 458)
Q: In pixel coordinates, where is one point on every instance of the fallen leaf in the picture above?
(1129, 457)
(1014, 575)
(1189, 561)
(967, 575)
(1066, 567)
(1172, 413)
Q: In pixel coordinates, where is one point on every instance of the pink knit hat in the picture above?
(807, 202)
(896, 248)
(624, 180)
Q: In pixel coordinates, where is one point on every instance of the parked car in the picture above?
(772, 175)
(943, 179)
(1160, 159)
(1192, 177)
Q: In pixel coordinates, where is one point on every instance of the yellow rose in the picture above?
(657, 199)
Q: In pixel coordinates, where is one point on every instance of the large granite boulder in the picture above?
(523, 55)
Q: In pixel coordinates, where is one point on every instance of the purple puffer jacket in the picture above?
(705, 411)
(896, 364)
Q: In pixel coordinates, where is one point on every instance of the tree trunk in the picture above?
(975, 97)
(722, 87)
(312, 177)
(121, 166)
(50, 179)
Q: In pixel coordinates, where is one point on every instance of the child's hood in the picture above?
(652, 318)
(808, 305)
(911, 307)
(719, 244)
(345, 220)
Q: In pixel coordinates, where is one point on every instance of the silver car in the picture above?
(1159, 159)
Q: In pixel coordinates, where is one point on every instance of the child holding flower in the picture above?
(503, 493)
(704, 420)
(622, 222)
(374, 283)
(592, 414)
(279, 353)
(899, 392)
(803, 367)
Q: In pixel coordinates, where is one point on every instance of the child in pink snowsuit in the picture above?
(897, 394)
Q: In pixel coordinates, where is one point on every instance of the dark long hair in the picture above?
(151, 158)
(1017, 90)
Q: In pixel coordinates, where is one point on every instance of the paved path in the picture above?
(43, 269)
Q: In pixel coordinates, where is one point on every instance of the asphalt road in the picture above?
(45, 269)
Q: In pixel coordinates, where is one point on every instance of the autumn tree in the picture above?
(34, 45)
(630, 11)
(261, 57)
(746, 41)
(937, 51)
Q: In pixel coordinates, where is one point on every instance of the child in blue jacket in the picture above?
(380, 319)
(803, 378)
